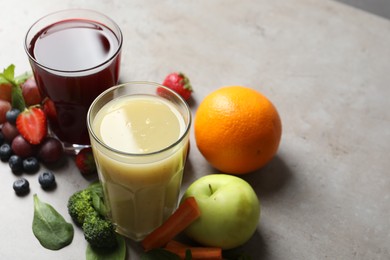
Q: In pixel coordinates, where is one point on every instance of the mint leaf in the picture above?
(17, 98)
(9, 73)
(8, 76)
(22, 78)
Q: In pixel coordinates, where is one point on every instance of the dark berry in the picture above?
(5, 152)
(2, 139)
(21, 186)
(16, 163)
(23, 148)
(30, 165)
(12, 114)
(47, 180)
(51, 150)
(9, 131)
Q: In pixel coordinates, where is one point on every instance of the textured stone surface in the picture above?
(325, 66)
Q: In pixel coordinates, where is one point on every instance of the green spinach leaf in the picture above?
(117, 253)
(49, 227)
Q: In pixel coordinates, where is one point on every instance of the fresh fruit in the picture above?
(237, 129)
(5, 152)
(8, 78)
(51, 150)
(21, 186)
(32, 125)
(5, 106)
(9, 131)
(230, 211)
(30, 92)
(5, 91)
(47, 180)
(49, 108)
(30, 165)
(15, 162)
(23, 148)
(178, 82)
(2, 139)
(12, 114)
(85, 161)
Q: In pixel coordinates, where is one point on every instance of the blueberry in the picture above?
(21, 186)
(5, 152)
(16, 163)
(11, 115)
(30, 165)
(47, 180)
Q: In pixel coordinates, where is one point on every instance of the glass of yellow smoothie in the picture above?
(139, 134)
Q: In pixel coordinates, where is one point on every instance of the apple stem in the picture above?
(211, 189)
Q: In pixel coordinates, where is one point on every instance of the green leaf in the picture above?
(22, 78)
(17, 98)
(159, 254)
(98, 198)
(98, 204)
(9, 73)
(8, 76)
(49, 227)
(117, 253)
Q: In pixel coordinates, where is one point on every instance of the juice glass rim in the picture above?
(117, 33)
(179, 140)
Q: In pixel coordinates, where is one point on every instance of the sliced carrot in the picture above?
(197, 253)
(187, 212)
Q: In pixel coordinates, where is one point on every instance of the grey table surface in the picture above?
(326, 195)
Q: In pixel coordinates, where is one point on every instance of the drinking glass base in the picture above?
(74, 149)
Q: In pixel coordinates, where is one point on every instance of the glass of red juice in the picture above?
(74, 55)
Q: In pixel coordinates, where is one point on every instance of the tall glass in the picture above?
(139, 134)
(74, 55)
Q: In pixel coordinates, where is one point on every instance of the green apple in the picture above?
(230, 211)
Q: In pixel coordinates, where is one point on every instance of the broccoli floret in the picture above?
(80, 206)
(99, 232)
(87, 209)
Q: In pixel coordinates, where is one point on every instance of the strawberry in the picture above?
(178, 82)
(85, 161)
(49, 108)
(31, 124)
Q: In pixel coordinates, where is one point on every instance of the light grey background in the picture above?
(325, 66)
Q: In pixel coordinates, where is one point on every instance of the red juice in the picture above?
(73, 62)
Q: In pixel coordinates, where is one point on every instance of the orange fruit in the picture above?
(237, 129)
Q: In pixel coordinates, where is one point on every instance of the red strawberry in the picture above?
(85, 161)
(31, 124)
(178, 82)
(49, 108)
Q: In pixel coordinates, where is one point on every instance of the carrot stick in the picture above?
(185, 214)
(197, 253)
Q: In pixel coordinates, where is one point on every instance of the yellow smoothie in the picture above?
(141, 189)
